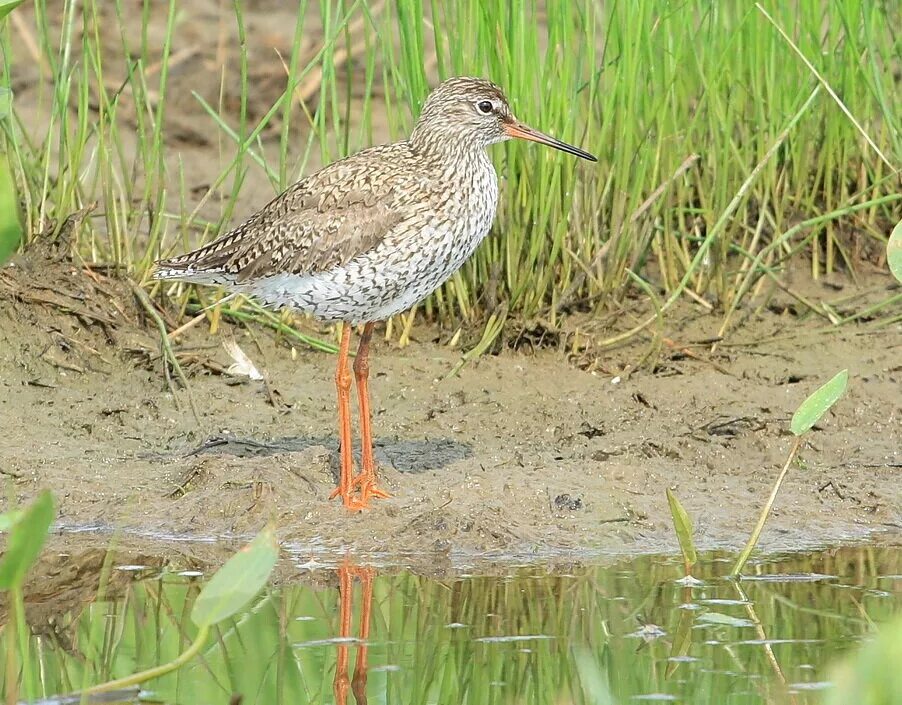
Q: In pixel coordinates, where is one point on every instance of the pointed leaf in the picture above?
(683, 525)
(7, 6)
(238, 581)
(815, 406)
(26, 539)
(682, 640)
(894, 251)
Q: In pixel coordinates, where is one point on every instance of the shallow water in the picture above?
(618, 633)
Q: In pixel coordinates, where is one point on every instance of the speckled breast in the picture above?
(415, 259)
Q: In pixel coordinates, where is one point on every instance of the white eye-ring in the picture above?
(485, 107)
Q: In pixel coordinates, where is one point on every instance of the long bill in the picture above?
(525, 132)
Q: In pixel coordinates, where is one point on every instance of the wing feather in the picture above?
(321, 222)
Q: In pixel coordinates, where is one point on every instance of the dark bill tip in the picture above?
(524, 132)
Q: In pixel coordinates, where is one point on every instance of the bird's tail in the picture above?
(205, 265)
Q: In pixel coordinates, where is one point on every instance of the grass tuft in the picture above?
(700, 186)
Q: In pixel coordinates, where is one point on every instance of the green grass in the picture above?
(713, 146)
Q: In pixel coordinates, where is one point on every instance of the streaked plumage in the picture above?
(365, 237)
(371, 235)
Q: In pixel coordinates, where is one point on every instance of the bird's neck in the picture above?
(445, 151)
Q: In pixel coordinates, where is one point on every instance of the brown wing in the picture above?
(320, 222)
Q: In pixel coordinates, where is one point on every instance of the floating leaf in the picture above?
(26, 539)
(894, 251)
(724, 619)
(683, 525)
(238, 581)
(7, 6)
(815, 406)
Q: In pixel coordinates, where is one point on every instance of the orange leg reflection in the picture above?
(343, 683)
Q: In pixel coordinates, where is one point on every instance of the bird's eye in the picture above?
(484, 106)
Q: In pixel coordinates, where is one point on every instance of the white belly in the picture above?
(376, 285)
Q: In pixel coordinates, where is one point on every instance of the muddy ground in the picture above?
(521, 455)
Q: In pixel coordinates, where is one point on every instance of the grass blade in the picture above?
(10, 226)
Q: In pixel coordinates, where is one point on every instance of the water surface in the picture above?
(624, 632)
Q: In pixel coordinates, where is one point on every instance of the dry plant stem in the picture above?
(823, 81)
(157, 671)
(766, 254)
(721, 222)
(762, 634)
(756, 532)
(187, 326)
(28, 39)
(587, 271)
(166, 345)
(313, 83)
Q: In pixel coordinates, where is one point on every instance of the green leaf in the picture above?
(682, 640)
(815, 406)
(683, 525)
(26, 539)
(6, 101)
(871, 674)
(7, 6)
(238, 581)
(10, 226)
(724, 619)
(7, 519)
(894, 251)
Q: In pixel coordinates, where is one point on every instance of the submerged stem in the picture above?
(156, 671)
(756, 532)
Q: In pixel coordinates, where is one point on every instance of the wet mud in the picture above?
(520, 456)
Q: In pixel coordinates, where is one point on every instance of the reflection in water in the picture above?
(526, 636)
(346, 575)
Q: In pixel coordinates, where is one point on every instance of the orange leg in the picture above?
(343, 383)
(358, 683)
(366, 480)
(341, 684)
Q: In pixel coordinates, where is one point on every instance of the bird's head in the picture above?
(473, 111)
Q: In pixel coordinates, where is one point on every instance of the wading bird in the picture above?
(369, 236)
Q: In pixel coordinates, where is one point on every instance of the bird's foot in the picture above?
(352, 503)
(366, 489)
(366, 483)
